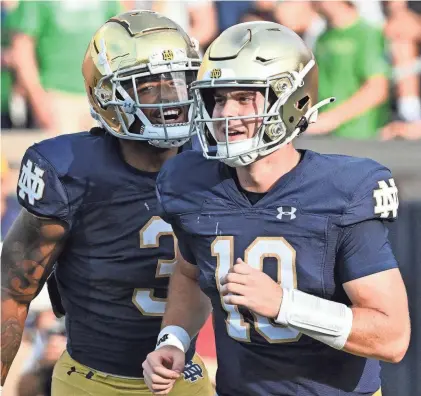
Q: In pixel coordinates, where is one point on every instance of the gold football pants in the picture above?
(71, 378)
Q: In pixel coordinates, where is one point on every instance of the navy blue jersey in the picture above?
(113, 272)
(316, 229)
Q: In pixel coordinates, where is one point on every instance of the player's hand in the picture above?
(252, 289)
(162, 368)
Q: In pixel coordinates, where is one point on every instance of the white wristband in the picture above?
(327, 321)
(175, 336)
(285, 304)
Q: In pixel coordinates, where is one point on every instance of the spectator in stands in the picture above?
(6, 75)
(197, 17)
(403, 130)
(407, 22)
(255, 13)
(403, 29)
(37, 381)
(406, 25)
(49, 41)
(9, 204)
(30, 384)
(230, 12)
(352, 67)
(14, 110)
(302, 18)
(40, 325)
(299, 16)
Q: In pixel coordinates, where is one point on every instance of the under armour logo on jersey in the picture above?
(288, 211)
(387, 201)
(31, 183)
(192, 372)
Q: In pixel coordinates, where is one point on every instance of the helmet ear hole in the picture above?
(208, 95)
(209, 138)
(272, 97)
(93, 99)
(302, 102)
(137, 127)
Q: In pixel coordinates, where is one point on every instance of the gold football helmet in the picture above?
(138, 69)
(261, 56)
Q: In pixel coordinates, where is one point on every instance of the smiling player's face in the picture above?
(161, 89)
(234, 103)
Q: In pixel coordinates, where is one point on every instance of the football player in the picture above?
(290, 245)
(90, 205)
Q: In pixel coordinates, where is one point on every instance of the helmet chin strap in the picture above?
(236, 149)
(313, 111)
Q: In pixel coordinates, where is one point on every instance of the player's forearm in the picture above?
(187, 307)
(373, 93)
(29, 252)
(13, 316)
(376, 335)
(368, 332)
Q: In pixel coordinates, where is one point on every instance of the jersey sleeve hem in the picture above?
(371, 270)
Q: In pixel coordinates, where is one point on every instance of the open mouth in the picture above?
(233, 136)
(235, 133)
(172, 115)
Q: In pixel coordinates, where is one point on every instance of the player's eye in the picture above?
(246, 99)
(219, 100)
(146, 89)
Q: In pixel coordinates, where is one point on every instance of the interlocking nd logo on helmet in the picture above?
(215, 73)
(168, 55)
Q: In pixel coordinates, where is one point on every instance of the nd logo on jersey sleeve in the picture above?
(386, 197)
(31, 184)
(40, 189)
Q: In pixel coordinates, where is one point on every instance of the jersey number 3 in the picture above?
(150, 233)
(259, 249)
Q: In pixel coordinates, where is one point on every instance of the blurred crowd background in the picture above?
(368, 54)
